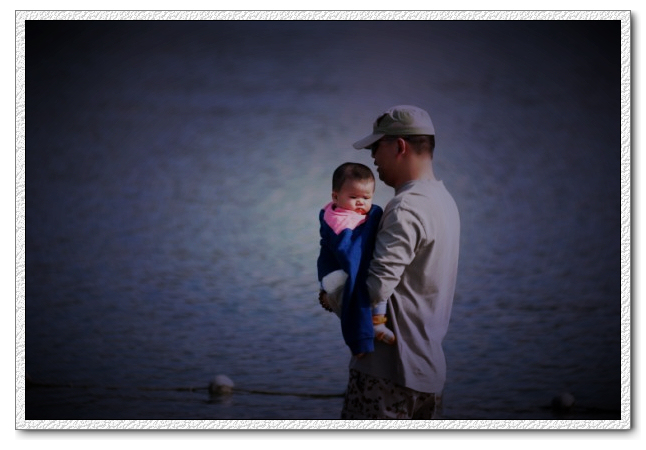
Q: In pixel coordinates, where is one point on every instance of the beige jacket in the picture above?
(415, 266)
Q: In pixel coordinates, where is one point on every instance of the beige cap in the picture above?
(401, 120)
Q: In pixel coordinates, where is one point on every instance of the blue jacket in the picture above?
(351, 251)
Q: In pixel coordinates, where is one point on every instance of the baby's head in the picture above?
(353, 186)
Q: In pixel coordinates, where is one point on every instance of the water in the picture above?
(174, 173)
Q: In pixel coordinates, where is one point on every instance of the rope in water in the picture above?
(31, 384)
(557, 403)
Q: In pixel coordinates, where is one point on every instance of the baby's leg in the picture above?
(334, 281)
(382, 333)
(333, 284)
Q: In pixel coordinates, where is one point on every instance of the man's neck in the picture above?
(421, 171)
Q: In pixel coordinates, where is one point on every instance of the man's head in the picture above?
(402, 120)
(402, 144)
(353, 186)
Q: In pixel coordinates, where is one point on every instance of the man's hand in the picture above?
(323, 300)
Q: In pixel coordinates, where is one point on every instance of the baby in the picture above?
(348, 228)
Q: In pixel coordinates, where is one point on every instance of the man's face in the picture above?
(383, 152)
(355, 195)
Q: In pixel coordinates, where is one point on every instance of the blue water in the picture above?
(174, 173)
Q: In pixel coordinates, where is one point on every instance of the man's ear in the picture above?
(402, 146)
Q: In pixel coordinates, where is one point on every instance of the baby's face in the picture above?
(355, 195)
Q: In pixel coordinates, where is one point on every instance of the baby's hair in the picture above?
(350, 171)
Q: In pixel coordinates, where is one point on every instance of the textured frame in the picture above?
(20, 382)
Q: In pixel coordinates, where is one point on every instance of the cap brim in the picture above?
(368, 141)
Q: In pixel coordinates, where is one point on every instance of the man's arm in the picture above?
(398, 239)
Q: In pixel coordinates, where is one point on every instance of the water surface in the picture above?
(174, 173)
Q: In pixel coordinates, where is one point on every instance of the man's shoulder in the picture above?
(404, 208)
(419, 201)
(419, 193)
(412, 196)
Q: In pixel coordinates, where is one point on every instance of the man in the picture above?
(414, 267)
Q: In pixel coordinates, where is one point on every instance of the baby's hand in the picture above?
(323, 301)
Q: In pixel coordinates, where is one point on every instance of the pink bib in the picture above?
(339, 219)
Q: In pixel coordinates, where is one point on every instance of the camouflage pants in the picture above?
(368, 397)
